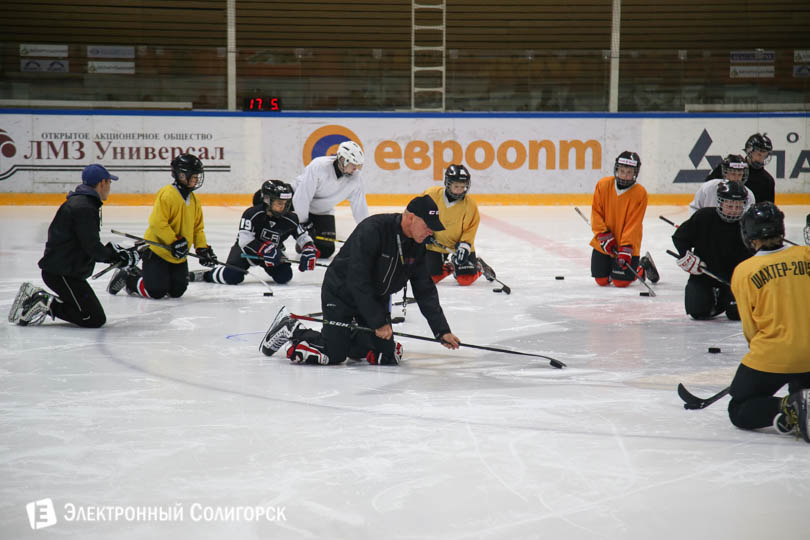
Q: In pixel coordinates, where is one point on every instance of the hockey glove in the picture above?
(624, 256)
(690, 263)
(308, 256)
(459, 258)
(126, 256)
(179, 248)
(270, 254)
(607, 241)
(207, 257)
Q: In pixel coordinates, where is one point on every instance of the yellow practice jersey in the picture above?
(772, 290)
(460, 220)
(173, 217)
(619, 213)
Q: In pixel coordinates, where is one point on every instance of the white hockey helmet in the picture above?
(351, 152)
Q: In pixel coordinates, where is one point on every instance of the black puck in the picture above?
(497, 290)
(714, 350)
(559, 277)
(268, 294)
(644, 293)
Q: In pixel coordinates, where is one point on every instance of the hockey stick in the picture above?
(627, 266)
(283, 259)
(702, 269)
(554, 362)
(488, 272)
(407, 300)
(113, 265)
(325, 239)
(168, 248)
(582, 215)
(692, 402)
(676, 226)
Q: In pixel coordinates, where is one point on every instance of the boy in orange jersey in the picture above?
(618, 208)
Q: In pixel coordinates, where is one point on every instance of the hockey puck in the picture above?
(497, 290)
(559, 277)
(268, 294)
(714, 350)
(644, 293)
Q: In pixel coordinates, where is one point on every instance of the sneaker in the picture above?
(36, 308)
(649, 267)
(197, 275)
(280, 332)
(487, 270)
(795, 410)
(25, 292)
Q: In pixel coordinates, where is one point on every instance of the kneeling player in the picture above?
(259, 242)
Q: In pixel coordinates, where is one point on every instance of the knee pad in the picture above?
(281, 274)
(732, 312)
(447, 269)
(621, 283)
(602, 281)
(467, 279)
(326, 249)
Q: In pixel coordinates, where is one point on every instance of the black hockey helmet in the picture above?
(456, 173)
(628, 159)
(761, 142)
(735, 162)
(276, 190)
(762, 221)
(730, 192)
(184, 167)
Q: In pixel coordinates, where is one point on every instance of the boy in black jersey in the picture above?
(262, 231)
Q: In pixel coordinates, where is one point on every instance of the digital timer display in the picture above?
(265, 104)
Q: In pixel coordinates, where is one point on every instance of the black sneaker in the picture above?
(650, 271)
(795, 409)
(279, 333)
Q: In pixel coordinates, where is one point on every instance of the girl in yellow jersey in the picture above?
(772, 289)
(459, 215)
(176, 221)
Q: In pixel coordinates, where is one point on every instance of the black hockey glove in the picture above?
(207, 257)
(179, 248)
(125, 256)
(459, 258)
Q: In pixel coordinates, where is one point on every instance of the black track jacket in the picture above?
(73, 245)
(370, 266)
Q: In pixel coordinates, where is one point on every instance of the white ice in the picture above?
(171, 404)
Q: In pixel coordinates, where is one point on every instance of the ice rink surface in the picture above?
(172, 406)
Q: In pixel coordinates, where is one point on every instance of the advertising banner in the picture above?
(506, 154)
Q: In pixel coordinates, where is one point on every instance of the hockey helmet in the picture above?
(731, 199)
(456, 173)
(735, 163)
(276, 190)
(184, 167)
(627, 159)
(762, 221)
(349, 152)
(762, 143)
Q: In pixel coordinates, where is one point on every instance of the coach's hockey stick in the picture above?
(169, 249)
(692, 402)
(554, 362)
(702, 269)
(283, 259)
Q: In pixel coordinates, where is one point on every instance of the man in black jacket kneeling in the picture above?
(382, 254)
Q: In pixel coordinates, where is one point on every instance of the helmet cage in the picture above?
(184, 167)
(456, 174)
(762, 143)
(735, 163)
(627, 159)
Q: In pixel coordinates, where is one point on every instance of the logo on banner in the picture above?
(7, 148)
(41, 514)
(325, 141)
(696, 156)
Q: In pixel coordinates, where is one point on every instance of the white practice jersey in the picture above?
(318, 190)
(706, 195)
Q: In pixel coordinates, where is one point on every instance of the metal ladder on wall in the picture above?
(417, 62)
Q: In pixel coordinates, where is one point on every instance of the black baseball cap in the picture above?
(425, 208)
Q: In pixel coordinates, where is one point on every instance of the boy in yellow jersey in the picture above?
(618, 208)
(772, 289)
(176, 221)
(460, 217)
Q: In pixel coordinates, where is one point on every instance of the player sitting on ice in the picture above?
(618, 209)
(260, 240)
(459, 214)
